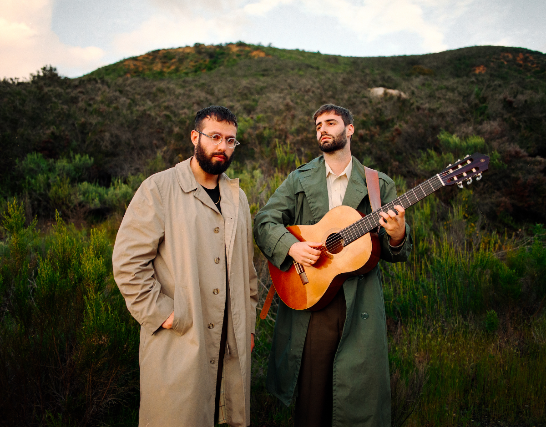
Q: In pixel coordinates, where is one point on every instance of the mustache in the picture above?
(219, 153)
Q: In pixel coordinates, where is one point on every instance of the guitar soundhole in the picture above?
(334, 243)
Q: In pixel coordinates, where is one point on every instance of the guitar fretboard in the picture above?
(371, 221)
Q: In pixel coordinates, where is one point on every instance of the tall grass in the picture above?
(68, 346)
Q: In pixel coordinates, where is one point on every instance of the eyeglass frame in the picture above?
(222, 138)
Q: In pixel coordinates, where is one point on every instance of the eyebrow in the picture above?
(326, 121)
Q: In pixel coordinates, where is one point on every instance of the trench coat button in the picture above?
(212, 361)
(217, 260)
(211, 325)
(364, 315)
(215, 292)
(217, 230)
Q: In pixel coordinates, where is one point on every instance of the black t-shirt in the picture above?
(214, 195)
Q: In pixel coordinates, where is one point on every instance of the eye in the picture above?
(230, 141)
(216, 137)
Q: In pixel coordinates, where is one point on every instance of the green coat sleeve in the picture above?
(270, 232)
(388, 194)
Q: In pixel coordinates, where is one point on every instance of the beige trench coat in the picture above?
(171, 254)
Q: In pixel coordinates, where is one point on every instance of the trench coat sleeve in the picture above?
(252, 276)
(270, 223)
(388, 194)
(137, 241)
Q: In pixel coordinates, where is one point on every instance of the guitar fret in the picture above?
(369, 222)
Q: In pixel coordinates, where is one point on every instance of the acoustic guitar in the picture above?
(349, 245)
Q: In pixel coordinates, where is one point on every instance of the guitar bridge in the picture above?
(301, 273)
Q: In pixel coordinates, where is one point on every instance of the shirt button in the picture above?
(217, 260)
(217, 230)
(364, 315)
(212, 361)
(215, 292)
(211, 325)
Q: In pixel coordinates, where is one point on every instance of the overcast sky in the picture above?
(78, 36)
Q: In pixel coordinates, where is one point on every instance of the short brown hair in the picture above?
(339, 111)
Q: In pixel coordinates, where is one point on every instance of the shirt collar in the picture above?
(347, 171)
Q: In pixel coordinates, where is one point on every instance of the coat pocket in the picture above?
(183, 316)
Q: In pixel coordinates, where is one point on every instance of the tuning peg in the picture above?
(468, 155)
(460, 184)
(448, 165)
(469, 181)
(478, 177)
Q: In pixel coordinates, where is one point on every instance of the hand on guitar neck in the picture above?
(304, 253)
(394, 224)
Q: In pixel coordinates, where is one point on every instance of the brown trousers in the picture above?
(314, 403)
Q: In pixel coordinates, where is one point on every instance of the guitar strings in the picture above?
(369, 222)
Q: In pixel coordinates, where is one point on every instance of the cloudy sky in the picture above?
(78, 36)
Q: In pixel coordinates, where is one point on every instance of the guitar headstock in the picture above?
(464, 170)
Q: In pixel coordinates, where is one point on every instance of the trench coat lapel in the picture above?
(356, 189)
(188, 183)
(229, 192)
(313, 181)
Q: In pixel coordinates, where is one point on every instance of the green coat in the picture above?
(361, 366)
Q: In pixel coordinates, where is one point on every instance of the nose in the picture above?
(223, 144)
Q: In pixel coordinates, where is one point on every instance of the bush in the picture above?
(68, 346)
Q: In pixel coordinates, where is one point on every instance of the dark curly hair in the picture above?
(221, 114)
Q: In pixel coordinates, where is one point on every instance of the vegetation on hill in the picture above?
(126, 123)
(466, 315)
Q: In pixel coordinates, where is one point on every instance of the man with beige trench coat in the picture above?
(183, 262)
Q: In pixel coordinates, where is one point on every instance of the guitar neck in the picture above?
(371, 221)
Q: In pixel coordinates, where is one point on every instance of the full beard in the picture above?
(338, 142)
(209, 165)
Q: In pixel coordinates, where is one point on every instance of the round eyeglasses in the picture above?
(217, 139)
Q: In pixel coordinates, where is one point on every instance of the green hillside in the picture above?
(466, 315)
(139, 111)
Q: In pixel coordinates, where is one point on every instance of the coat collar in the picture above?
(188, 183)
(312, 177)
(356, 189)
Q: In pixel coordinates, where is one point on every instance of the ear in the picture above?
(350, 130)
(194, 137)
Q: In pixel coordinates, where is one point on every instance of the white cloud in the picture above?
(372, 19)
(175, 25)
(27, 42)
(264, 6)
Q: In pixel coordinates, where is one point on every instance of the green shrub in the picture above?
(491, 322)
(68, 344)
(61, 184)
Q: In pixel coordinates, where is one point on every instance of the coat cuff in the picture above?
(280, 256)
(400, 253)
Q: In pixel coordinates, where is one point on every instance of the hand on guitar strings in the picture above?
(304, 253)
(394, 224)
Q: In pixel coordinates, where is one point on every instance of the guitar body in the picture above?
(330, 271)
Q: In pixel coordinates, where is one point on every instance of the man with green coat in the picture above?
(334, 360)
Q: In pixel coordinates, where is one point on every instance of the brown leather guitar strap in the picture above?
(267, 303)
(372, 182)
